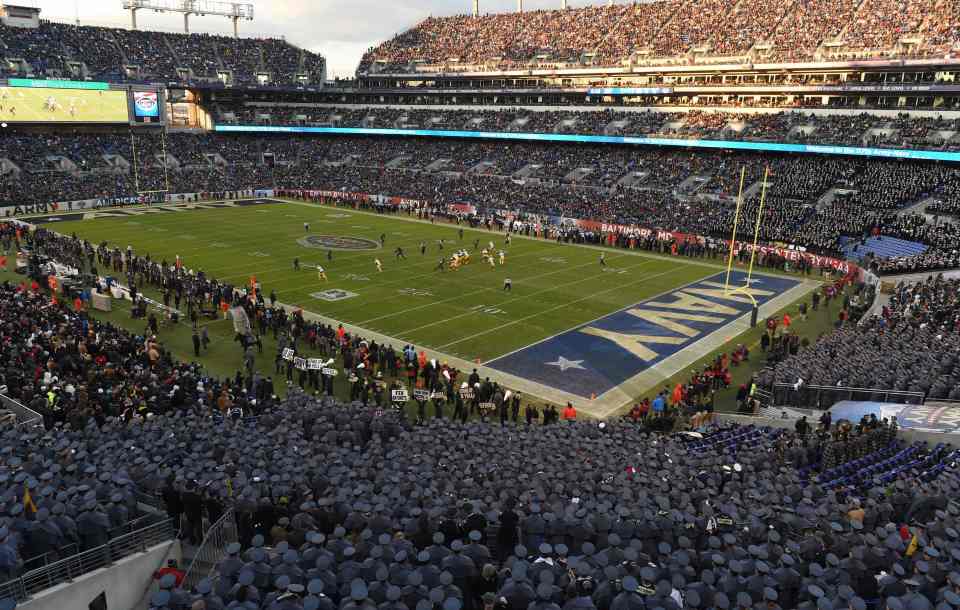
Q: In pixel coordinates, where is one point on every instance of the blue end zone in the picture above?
(600, 355)
(919, 417)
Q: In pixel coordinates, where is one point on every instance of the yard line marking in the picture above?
(540, 313)
(465, 294)
(703, 261)
(514, 299)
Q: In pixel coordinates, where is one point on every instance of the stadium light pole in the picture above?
(519, 6)
(234, 11)
(476, 8)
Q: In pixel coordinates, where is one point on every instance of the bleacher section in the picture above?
(675, 31)
(860, 130)
(577, 181)
(883, 247)
(56, 50)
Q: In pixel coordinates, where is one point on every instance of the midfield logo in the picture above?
(332, 242)
(334, 294)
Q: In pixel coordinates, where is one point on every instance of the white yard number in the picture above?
(487, 309)
(356, 278)
(556, 260)
(415, 292)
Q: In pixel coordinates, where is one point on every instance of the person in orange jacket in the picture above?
(569, 413)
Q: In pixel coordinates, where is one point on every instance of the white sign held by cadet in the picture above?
(466, 394)
(300, 364)
(421, 394)
(399, 396)
(315, 364)
(487, 406)
(287, 353)
(329, 372)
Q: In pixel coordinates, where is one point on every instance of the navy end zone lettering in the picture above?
(599, 356)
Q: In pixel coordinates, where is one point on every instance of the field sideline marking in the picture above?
(702, 262)
(460, 296)
(527, 296)
(511, 323)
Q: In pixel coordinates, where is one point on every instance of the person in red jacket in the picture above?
(569, 413)
(171, 569)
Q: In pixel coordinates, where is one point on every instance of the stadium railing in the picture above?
(212, 549)
(821, 398)
(26, 417)
(34, 581)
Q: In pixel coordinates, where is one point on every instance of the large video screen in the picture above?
(146, 104)
(46, 105)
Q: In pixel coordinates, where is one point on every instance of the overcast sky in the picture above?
(339, 29)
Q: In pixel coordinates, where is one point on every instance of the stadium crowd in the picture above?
(353, 506)
(653, 189)
(864, 129)
(911, 345)
(668, 29)
(54, 50)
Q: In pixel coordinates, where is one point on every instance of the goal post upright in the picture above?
(756, 230)
(733, 238)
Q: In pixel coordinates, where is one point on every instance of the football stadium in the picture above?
(566, 305)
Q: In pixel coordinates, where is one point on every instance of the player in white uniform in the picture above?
(321, 274)
(379, 265)
(503, 257)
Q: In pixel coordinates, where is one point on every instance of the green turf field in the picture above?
(464, 313)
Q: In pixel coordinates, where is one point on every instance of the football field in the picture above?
(568, 328)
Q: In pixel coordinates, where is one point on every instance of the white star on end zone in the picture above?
(565, 364)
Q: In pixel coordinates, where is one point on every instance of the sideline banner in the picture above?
(108, 202)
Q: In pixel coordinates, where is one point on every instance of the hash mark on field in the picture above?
(260, 254)
(132, 223)
(218, 244)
